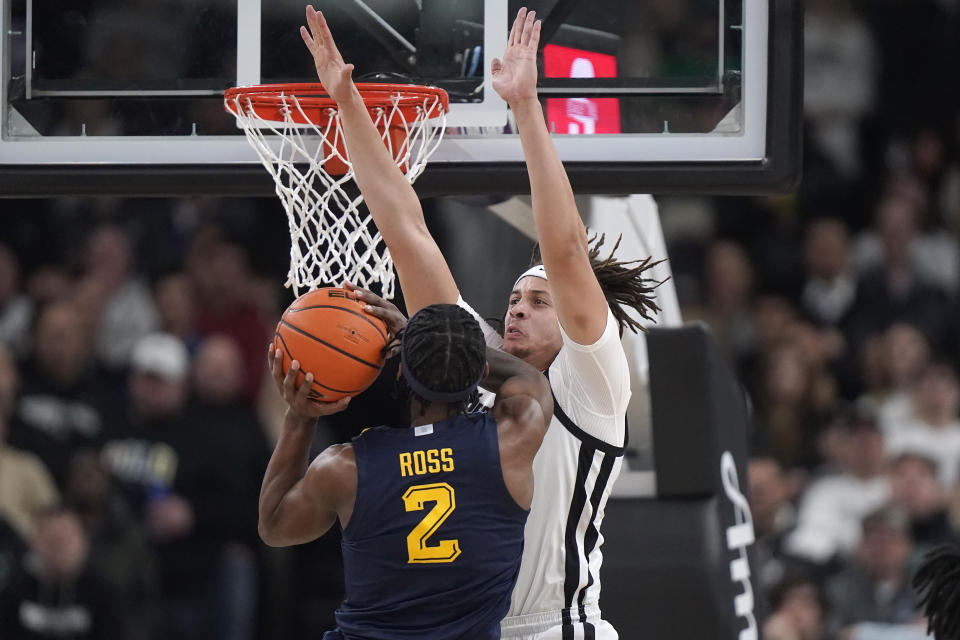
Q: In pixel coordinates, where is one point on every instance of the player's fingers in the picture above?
(290, 380)
(276, 368)
(307, 40)
(327, 37)
(312, 23)
(527, 28)
(328, 408)
(303, 392)
(535, 34)
(517, 27)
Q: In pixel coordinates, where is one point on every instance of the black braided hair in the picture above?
(623, 282)
(445, 350)
(937, 580)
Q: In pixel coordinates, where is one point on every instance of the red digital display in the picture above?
(581, 115)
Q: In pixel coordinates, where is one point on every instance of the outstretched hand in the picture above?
(333, 73)
(298, 397)
(515, 77)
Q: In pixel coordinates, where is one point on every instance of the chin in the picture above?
(514, 349)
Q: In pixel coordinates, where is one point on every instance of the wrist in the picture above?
(525, 103)
(298, 421)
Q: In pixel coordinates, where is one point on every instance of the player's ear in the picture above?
(486, 370)
(399, 371)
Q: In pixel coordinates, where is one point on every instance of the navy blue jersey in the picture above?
(433, 547)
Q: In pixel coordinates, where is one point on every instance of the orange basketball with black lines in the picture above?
(331, 336)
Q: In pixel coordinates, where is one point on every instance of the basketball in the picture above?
(331, 336)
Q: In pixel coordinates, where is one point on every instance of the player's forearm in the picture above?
(391, 199)
(287, 466)
(504, 366)
(395, 208)
(559, 227)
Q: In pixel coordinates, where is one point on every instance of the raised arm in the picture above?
(523, 410)
(424, 275)
(581, 306)
(300, 501)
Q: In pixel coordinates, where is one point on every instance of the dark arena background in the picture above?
(794, 425)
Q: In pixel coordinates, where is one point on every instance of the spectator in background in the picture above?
(136, 452)
(830, 286)
(16, 309)
(118, 299)
(173, 297)
(789, 416)
(118, 548)
(840, 62)
(915, 487)
(933, 428)
(54, 595)
(799, 610)
(61, 400)
(729, 282)
(831, 510)
(770, 494)
(219, 275)
(25, 484)
(876, 587)
(899, 356)
(895, 290)
(222, 484)
(12, 550)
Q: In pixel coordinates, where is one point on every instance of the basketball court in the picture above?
(699, 96)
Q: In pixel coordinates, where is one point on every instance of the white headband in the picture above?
(538, 271)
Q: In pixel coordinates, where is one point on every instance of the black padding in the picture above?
(665, 574)
(698, 411)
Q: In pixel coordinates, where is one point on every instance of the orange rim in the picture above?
(272, 102)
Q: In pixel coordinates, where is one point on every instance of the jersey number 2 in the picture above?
(441, 494)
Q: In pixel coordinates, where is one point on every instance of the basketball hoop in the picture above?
(295, 130)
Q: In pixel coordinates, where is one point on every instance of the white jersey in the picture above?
(574, 473)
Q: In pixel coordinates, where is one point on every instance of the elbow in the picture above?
(268, 534)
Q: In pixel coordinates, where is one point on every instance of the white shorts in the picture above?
(549, 626)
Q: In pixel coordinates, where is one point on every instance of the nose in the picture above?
(517, 310)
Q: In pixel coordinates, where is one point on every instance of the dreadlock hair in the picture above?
(623, 282)
(937, 580)
(445, 351)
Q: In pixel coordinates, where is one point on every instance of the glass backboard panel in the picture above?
(114, 85)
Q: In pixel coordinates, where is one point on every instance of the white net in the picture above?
(332, 237)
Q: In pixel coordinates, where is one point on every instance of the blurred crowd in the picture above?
(136, 417)
(838, 305)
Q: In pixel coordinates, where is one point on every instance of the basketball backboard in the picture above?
(660, 96)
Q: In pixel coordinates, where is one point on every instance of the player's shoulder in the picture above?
(334, 457)
(334, 468)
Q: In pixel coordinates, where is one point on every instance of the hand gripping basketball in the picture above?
(386, 311)
(330, 334)
(297, 396)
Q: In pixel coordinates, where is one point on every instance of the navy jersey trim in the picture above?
(582, 435)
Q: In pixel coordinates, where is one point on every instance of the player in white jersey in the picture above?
(564, 317)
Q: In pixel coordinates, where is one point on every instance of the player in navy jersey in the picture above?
(432, 515)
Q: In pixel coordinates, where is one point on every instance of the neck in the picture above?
(429, 413)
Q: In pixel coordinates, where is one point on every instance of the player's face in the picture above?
(531, 330)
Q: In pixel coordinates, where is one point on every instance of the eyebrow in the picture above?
(542, 292)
